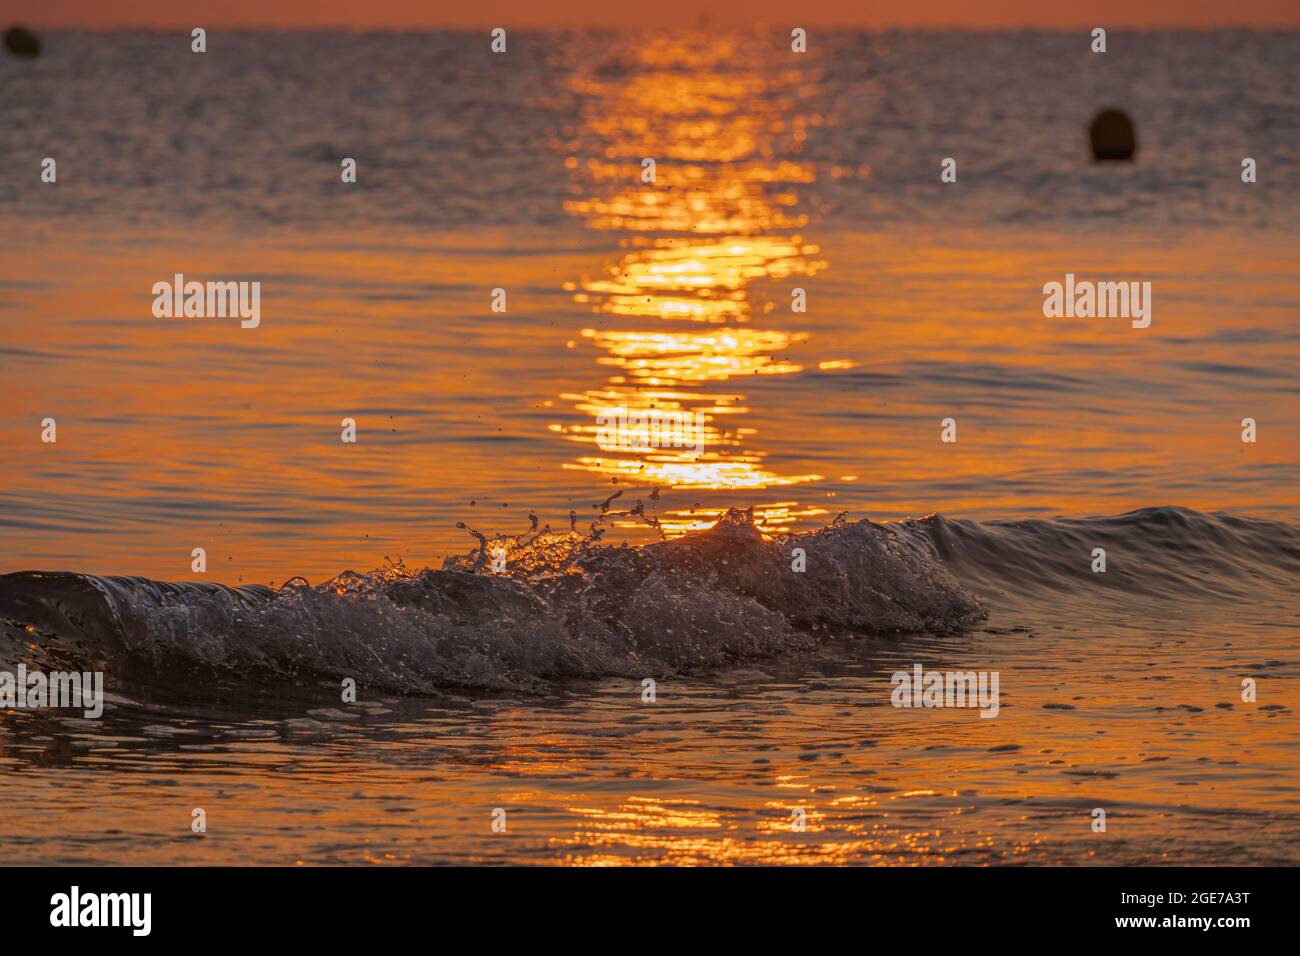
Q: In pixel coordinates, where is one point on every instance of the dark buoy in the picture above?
(1112, 136)
(22, 42)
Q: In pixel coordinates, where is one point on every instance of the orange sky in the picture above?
(654, 13)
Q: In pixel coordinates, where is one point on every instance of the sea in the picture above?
(472, 627)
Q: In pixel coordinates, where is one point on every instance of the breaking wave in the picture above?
(566, 606)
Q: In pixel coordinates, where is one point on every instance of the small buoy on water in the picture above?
(1112, 136)
(22, 42)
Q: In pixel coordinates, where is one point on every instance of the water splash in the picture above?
(564, 607)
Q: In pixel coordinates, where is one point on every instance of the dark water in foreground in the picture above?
(524, 692)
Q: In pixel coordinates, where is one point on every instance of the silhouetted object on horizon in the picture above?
(22, 42)
(1112, 136)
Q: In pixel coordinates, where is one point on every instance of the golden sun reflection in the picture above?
(713, 241)
(650, 831)
(694, 280)
(776, 518)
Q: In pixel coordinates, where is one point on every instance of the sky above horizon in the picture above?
(989, 14)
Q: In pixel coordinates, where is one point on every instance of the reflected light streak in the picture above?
(712, 240)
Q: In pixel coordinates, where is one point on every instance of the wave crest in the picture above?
(564, 607)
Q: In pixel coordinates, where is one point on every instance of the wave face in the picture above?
(566, 607)
(1152, 555)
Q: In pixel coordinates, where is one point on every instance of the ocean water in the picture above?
(522, 689)
(525, 693)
